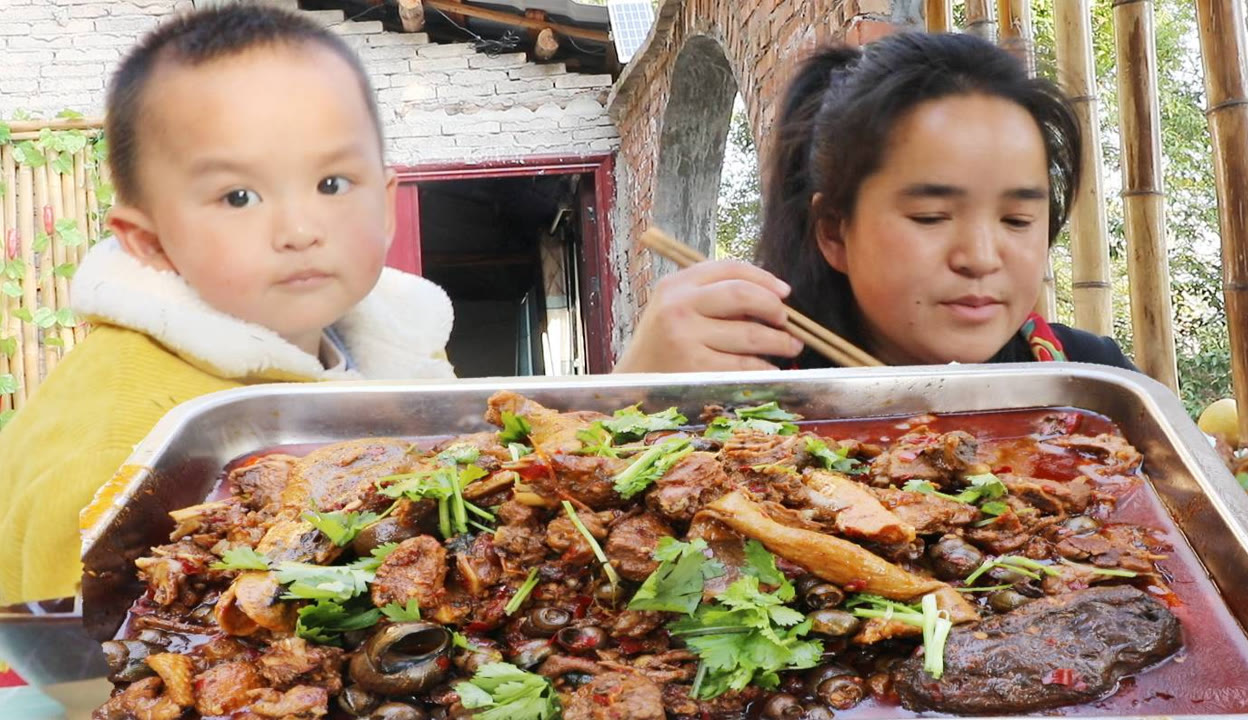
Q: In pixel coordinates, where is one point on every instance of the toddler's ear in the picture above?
(137, 234)
(392, 193)
(829, 234)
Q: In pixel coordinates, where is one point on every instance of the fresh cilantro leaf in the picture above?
(631, 423)
(761, 564)
(340, 527)
(518, 450)
(502, 691)
(241, 558)
(837, 460)
(322, 622)
(446, 485)
(306, 581)
(925, 487)
(612, 575)
(375, 558)
(722, 428)
(676, 585)
(766, 411)
(651, 465)
(747, 636)
(459, 454)
(402, 613)
(994, 508)
(515, 429)
(597, 440)
(983, 487)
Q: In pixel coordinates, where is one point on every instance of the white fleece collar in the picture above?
(392, 334)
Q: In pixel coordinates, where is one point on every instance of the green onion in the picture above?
(934, 656)
(697, 679)
(990, 588)
(1112, 572)
(481, 527)
(522, 593)
(484, 514)
(593, 543)
(444, 518)
(1021, 565)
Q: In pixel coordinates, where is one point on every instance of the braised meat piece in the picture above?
(294, 660)
(750, 448)
(303, 702)
(167, 569)
(1052, 652)
(1124, 546)
(552, 432)
(1050, 496)
(924, 455)
(587, 479)
(616, 696)
(478, 567)
(688, 486)
(855, 512)
(519, 540)
(926, 514)
(1112, 451)
(347, 473)
(226, 688)
(631, 544)
(729, 706)
(563, 537)
(261, 483)
(415, 570)
(296, 540)
(142, 699)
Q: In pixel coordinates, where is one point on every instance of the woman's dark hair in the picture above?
(196, 38)
(833, 130)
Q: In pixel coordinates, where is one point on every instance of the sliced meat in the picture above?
(630, 547)
(347, 473)
(253, 601)
(691, 484)
(296, 540)
(1113, 451)
(556, 666)
(636, 623)
(747, 449)
(927, 514)
(175, 671)
(1049, 653)
(856, 512)
(225, 688)
(729, 706)
(294, 660)
(261, 483)
(552, 432)
(415, 570)
(924, 455)
(1129, 547)
(616, 696)
(1050, 496)
(519, 540)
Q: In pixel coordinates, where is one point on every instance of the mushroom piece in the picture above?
(402, 659)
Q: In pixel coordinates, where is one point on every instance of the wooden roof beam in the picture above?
(449, 6)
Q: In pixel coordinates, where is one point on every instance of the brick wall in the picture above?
(762, 41)
(439, 102)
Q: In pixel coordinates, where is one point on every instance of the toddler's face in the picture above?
(946, 250)
(263, 185)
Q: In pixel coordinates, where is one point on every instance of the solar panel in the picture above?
(630, 23)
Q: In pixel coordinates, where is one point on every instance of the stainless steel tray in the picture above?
(180, 461)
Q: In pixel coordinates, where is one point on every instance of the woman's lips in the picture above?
(974, 308)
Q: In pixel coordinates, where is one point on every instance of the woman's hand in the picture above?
(719, 315)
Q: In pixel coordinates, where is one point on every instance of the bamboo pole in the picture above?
(939, 15)
(980, 20)
(47, 287)
(1089, 233)
(1014, 31)
(35, 126)
(81, 214)
(1225, 51)
(1144, 199)
(8, 244)
(26, 233)
(60, 256)
(13, 327)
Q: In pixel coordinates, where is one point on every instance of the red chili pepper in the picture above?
(443, 662)
(1003, 470)
(1065, 677)
(11, 243)
(602, 699)
(48, 224)
(582, 606)
(855, 585)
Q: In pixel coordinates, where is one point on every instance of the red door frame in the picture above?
(405, 252)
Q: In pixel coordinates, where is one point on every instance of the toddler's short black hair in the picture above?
(196, 38)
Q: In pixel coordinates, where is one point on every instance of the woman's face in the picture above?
(947, 246)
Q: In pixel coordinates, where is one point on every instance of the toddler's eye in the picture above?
(333, 185)
(241, 198)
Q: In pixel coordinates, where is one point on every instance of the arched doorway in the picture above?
(691, 144)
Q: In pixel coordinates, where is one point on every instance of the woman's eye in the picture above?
(927, 219)
(1018, 222)
(241, 198)
(333, 185)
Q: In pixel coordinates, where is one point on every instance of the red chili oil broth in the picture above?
(1205, 677)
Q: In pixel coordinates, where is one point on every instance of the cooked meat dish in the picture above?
(589, 566)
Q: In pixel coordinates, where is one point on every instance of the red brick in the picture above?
(865, 30)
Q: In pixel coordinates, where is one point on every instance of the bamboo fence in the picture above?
(1089, 234)
(939, 15)
(49, 214)
(1222, 44)
(980, 19)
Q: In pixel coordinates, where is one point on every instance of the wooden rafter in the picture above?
(572, 31)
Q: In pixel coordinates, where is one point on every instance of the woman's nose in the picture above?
(976, 252)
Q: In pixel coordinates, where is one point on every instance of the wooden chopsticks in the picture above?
(817, 337)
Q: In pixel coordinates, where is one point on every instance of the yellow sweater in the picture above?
(157, 344)
(78, 429)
